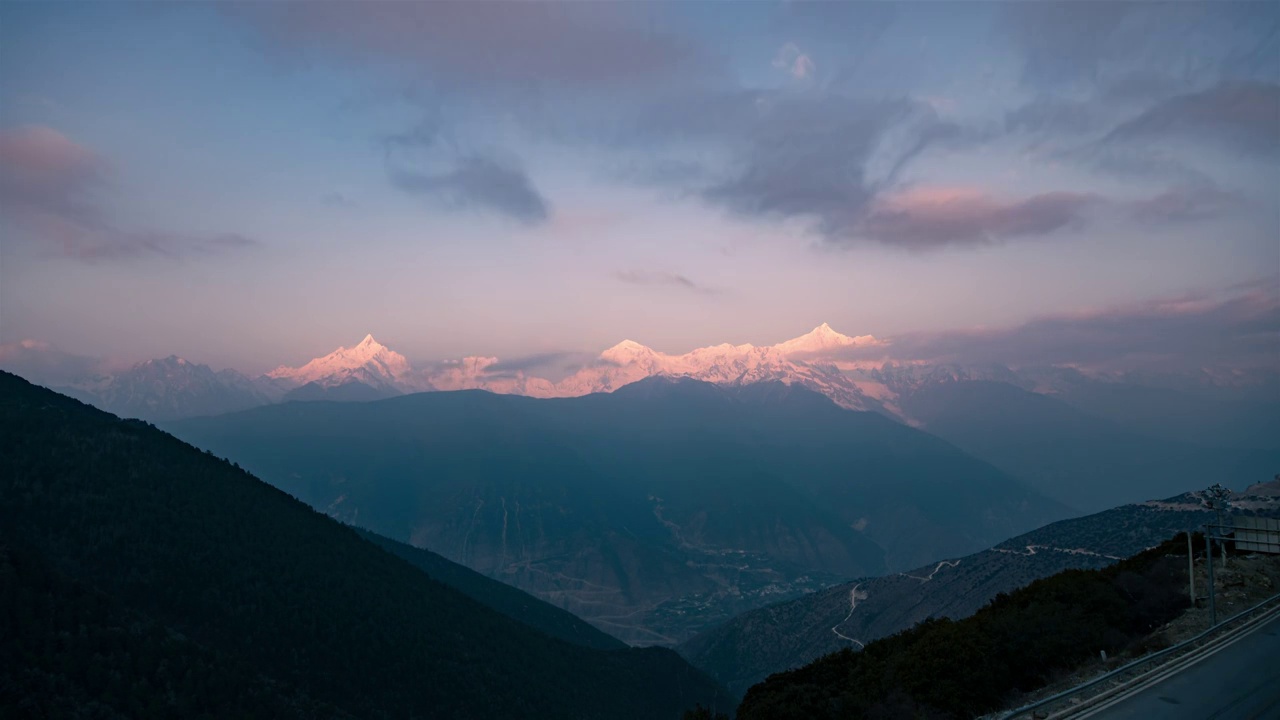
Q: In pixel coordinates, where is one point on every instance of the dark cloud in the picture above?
(50, 188)
(1065, 42)
(459, 178)
(1053, 115)
(478, 182)
(1241, 116)
(1139, 84)
(1119, 48)
(821, 156)
(493, 47)
(826, 155)
(104, 243)
(1136, 162)
(928, 218)
(337, 200)
(1185, 204)
(1239, 330)
(661, 279)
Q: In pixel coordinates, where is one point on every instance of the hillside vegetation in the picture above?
(790, 634)
(143, 577)
(1017, 643)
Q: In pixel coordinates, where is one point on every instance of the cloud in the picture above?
(1154, 142)
(819, 156)
(1053, 115)
(661, 279)
(1241, 116)
(1239, 328)
(44, 172)
(478, 182)
(504, 48)
(539, 361)
(1149, 84)
(922, 218)
(799, 65)
(337, 200)
(45, 364)
(1188, 203)
(463, 179)
(50, 188)
(1066, 42)
(929, 217)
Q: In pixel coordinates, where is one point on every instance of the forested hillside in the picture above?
(509, 601)
(961, 669)
(178, 579)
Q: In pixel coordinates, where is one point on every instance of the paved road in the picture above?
(1240, 682)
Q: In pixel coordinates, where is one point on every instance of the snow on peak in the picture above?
(726, 364)
(369, 362)
(823, 339)
(628, 351)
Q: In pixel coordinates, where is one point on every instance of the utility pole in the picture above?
(1208, 559)
(1191, 569)
(1218, 498)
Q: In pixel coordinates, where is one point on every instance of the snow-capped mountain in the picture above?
(368, 363)
(168, 389)
(726, 364)
(824, 360)
(823, 341)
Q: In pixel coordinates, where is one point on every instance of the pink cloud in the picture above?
(924, 217)
(48, 187)
(43, 171)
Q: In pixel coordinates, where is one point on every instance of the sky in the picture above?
(247, 185)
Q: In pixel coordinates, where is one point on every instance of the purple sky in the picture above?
(249, 185)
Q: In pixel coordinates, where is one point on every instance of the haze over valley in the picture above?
(653, 360)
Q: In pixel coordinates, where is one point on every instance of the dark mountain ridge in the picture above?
(254, 584)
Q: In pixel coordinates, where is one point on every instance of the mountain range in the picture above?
(653, 511)
(1072, 435)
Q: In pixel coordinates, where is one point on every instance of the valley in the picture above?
(653, 511)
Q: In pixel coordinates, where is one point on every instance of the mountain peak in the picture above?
(369, 362)
(821, 339)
